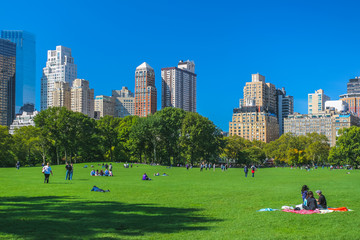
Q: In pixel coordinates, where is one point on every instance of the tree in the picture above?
(7, 156)
(108, 130)
(171, 121)
(347, 148)
(317, 149)
(235, 149)
(27, 141)
(200, 138)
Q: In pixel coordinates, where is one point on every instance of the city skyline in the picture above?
(313, 50)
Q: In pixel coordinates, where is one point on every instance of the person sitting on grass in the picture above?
(101, 173)
(145, 177)
(110, 174)
(106, 174)
(304, 191)
(97, 173)
(322, 200)
(164, 175)
(310, 201)
(156, 174)
(92, 173)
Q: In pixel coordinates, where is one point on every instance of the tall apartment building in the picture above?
(327, 122)
(179, 86)
(316, 101)
(352, 97)
(285, 107)
(124, 102)
(25, 65)
(256, 118)
(254, 123)
(145, 90)
(7, 81)
(82, 97)
(259, 93)
(60, 67)
(104, 105)
(61, 95)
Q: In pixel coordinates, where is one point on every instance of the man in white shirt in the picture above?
(47, 170)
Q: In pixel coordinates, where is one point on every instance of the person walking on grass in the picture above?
(214, 167)
(68, 170)
(253, 170)
(246, 170)
(47, 170)
(71, 171)
(17, 165)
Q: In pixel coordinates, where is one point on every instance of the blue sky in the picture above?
(299, 45)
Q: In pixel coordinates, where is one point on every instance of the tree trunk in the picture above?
(57, 155)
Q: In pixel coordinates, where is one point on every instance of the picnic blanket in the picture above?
(302, 211)
(340, 209)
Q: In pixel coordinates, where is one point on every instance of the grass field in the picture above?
(185, 205)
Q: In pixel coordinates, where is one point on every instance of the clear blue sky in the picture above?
(299, 45)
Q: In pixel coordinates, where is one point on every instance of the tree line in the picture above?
(170, 136)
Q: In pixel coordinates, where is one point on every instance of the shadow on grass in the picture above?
(70, 218)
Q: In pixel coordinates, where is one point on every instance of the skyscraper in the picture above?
(352, 97)
(60, 67)
(259, 93)
(7, 81)
(82, 97)
(179, 86)
(104, 105)
(145, 90)
(285, 107)
(25, 65)
(316, 101)
(256, 118)
(124, 102)
(61, 95)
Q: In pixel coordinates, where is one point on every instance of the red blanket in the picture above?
(302, 211)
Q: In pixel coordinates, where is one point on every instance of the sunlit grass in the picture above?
(188, 204)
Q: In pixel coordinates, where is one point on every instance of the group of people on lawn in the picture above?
(107, 173)
(310, 202)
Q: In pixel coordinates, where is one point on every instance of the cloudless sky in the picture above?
(300, 45)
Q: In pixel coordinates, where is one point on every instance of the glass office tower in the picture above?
(7, 81)
(25, 65)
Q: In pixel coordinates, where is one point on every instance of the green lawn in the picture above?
(185, 205)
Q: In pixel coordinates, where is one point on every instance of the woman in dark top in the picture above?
(304, 191)
(311, 201)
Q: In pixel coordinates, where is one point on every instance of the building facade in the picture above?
(82, 97)
(316, 101)
(61, 95)
(104, 105)
(256, 117)
(285, 107)
(254, 123)
(328, 123)
(179, 86)
(22, 120)
(259, 93)
(7, 81)
(352, 97)
(25, 65)
(124, 102)
(145, 90)
(60, 67)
